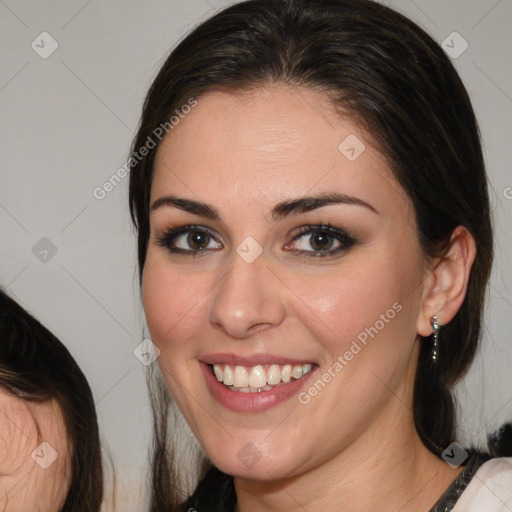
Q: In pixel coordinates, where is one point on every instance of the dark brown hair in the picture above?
(36, 366)
(381, 68)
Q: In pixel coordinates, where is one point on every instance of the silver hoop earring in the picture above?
(435, 326)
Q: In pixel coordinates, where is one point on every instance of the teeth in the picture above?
(297, 372)
(241, 377)
(286, 373)
(218, 373)
(274, 375)
(227, 375)
(256, 378)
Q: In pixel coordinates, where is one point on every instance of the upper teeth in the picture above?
(257, 376)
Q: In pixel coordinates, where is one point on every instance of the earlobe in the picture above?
(447, 282)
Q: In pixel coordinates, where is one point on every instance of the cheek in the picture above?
(337, 307)
(176, 309)
(170, 300)
(364, 320)
(364, 316)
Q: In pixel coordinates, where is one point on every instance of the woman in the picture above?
(314, 244)
(50, 456)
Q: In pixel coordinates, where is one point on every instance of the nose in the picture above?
(247, 299)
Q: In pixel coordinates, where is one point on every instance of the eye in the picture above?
(188, 239)
(311, 241)
(320, 240)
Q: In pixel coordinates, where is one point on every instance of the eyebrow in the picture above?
(281, 210)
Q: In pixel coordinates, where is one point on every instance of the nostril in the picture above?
(259, 327)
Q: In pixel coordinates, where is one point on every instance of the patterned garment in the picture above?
(450, 497)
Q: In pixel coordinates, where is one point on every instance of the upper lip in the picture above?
(253, 360)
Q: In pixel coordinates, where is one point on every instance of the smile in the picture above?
(259, 378)
(254, 384)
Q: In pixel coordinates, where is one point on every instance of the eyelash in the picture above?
(169, 236)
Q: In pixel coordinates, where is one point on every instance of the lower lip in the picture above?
(251, 402)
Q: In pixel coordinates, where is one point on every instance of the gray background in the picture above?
(67, 123)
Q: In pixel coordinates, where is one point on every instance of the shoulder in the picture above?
(490, 489)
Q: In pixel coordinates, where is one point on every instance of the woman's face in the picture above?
(306, 262)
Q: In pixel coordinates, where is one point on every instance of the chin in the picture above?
(253, 463)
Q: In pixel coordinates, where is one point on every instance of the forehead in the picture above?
(267, 145)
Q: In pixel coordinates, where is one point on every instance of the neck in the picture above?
(387, 469)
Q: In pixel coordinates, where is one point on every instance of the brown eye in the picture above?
(320, 240)
(198, 240)
(188, 240)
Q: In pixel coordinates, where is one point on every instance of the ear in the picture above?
(447, 282)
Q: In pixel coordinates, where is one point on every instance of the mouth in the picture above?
(259, 378)
(256, 384)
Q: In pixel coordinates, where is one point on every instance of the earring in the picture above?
(435, 326)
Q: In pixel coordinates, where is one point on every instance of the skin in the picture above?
(243, 154)
(25, 484)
